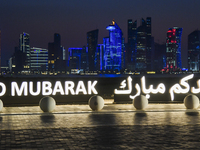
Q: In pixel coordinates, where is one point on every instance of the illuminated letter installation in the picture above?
(182, 88)
(47, 88)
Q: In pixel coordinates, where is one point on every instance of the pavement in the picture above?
(116, 126)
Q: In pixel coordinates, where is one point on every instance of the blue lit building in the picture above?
(173, 49)
(194, 51)
(113, 48)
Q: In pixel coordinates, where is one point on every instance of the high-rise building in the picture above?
(173, 49)
(194, 51)
(56, 55)
(39, 59)
(114, 48)
(92, 43)
(143, 53)
(131, 45)
(24, 46)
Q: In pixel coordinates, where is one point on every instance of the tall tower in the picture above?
(92, 43)
(194, 51)
(114, 49)
(173, 48)
(24, 46)
(131, 45)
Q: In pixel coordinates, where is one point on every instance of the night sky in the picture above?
(72, 19)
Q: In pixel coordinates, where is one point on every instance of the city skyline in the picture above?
(72, 20)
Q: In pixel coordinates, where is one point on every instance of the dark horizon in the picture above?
(73, 19)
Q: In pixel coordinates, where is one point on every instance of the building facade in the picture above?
(194, 51)
(173, 49)
(39, 59)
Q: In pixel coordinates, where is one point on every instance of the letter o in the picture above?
(3, 89)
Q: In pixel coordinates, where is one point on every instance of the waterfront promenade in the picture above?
(116, 126)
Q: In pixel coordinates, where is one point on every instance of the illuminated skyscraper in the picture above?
(173, 49)
(194, 51)
(92, 43)
(114, 48)
(24, 46)
(131, 45)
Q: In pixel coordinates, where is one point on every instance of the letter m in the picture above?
(19, 91)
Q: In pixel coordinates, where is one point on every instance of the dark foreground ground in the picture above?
(117, 126)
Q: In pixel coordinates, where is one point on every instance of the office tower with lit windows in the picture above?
(143, 53)
(173, 49)
(113, 48)
(194, 51)
(39, 59)
(24, 46)
(56, 55)
(131, 45)
(92, 43)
